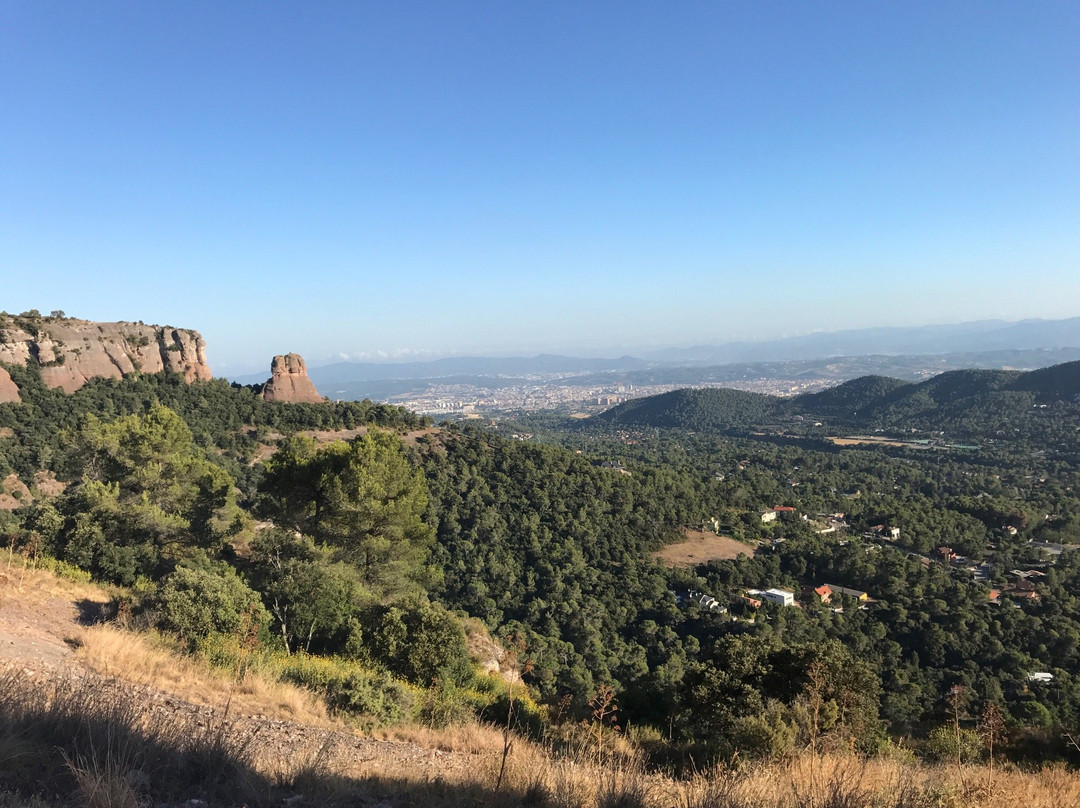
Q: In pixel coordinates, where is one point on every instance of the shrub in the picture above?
(416, 640)
(350, 688)
(63, 569)
(941, 745)
(444, 704)
(490, 698)
(201, 597)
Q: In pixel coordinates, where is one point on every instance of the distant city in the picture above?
(583, 393)
(465, 400)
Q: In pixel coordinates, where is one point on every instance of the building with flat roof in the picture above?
(781, 597)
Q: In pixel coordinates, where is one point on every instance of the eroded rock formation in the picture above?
(70, 351)
(289, 381)
(8, 390)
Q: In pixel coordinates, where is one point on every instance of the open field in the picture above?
(856, 440)
(700, 547)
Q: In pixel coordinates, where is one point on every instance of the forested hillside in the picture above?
(966, 404)
(376, 562)
(543, 544)
(223, 416)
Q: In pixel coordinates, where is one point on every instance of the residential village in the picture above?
(1023, 585)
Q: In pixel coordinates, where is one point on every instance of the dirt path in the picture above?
(42, 617)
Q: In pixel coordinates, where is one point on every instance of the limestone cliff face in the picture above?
(69, 351)
(289, 381)
(8, 391)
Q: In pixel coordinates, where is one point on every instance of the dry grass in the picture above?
(535, 777)
(472, 738)
(700, 547)
(21, 578)
(98, 744)
(139, 659)
(847, 781)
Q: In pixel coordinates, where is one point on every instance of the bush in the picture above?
(490, 698)
(63, 569)
(201, 597)
(940, 745)
(350, 688)
(445, 703)
(416, 640)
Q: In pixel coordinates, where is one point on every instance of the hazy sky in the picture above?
(580, 177)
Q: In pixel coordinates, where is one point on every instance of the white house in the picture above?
(781, 597)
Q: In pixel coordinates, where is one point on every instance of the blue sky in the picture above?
(386, 178)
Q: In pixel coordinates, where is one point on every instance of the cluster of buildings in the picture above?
(560, 393)
(700, 599)
(756, 598)
(826, 522)
(1020, 588)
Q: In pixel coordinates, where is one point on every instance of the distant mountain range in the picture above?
(909, 353)
(981, 336)
(466, 366)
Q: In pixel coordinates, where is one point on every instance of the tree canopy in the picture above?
(362, 498)
(145, 496)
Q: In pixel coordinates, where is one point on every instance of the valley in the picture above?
(705, 562)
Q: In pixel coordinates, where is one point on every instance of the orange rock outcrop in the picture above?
(289, 381)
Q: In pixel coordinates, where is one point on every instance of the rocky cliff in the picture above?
(70, 351)
(289, 381)
(8, 390)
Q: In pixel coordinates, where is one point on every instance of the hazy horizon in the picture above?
(666, 354)
(415, 180)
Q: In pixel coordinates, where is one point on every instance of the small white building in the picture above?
(781, 597)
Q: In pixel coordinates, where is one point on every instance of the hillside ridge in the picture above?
(862, 399)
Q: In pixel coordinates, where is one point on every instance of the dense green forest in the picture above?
(385, 553)
(231, 419)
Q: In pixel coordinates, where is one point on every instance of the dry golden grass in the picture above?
(839, 781)
(33, 585)
(473, 738)
(468, 771)
(867, 440)
(700, 547)
(98, 743)
(140, 659)
(533, 776)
